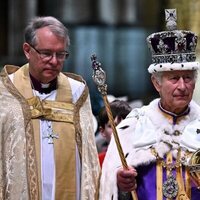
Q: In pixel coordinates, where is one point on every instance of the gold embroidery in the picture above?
(51, 110)
(172, 187)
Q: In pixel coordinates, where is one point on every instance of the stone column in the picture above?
(20, 11)
(70, 11)
(116, 12)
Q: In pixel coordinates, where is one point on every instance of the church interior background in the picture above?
(114, 30)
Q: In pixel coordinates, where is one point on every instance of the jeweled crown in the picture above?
(172, 46)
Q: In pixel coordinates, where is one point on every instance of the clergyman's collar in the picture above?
(43, 88)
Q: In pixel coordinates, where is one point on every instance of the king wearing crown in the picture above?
(173, 49)
(161, 140)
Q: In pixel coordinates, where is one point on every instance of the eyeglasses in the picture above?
(48, 55)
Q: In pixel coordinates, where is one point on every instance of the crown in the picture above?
(173, 49)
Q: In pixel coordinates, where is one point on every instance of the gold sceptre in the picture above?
(99, 77)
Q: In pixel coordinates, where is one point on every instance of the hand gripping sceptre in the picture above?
(99, 77)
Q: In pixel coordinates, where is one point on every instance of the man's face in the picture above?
(45, 70)
(175, 89)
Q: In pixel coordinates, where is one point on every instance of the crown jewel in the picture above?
(172, 46)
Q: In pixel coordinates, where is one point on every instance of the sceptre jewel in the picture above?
(99, 76)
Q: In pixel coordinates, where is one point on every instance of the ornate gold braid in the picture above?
(77, 107)
(30, 147)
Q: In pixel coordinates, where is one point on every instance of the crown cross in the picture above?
(170, 17)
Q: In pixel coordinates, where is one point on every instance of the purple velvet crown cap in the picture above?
(173, 49)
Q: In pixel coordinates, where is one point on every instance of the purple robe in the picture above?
(146, 184)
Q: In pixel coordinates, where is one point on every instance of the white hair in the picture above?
(158, 76)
